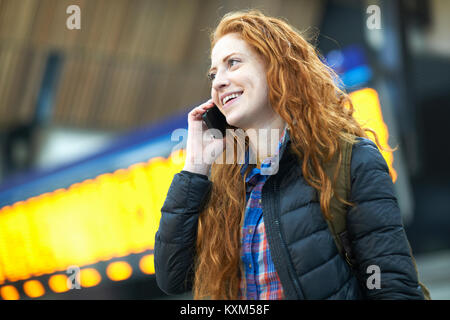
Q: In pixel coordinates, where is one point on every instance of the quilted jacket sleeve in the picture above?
(376, 230)
(176, 236)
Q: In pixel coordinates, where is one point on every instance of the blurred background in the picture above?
(92, 90)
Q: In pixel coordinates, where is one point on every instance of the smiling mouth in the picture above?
(229, 99)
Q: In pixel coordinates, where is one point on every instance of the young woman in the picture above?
(231, 231)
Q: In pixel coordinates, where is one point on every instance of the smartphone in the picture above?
(215, 119)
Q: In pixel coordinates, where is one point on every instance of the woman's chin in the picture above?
(234, 124)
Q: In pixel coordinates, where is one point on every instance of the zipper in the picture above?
(291, 269)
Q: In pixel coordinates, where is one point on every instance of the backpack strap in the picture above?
(425, 291)
(338, 225)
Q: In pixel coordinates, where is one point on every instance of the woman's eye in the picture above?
(211, 76)
(232, 62)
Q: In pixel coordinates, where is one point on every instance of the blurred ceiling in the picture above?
(131, 63)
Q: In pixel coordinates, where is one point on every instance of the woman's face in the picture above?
(238, 70)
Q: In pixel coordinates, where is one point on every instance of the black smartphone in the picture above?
(215, 119)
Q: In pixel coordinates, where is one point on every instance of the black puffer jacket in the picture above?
(303, 250)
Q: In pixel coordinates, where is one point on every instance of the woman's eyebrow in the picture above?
(223, 60)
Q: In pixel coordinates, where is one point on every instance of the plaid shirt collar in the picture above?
(269, 165)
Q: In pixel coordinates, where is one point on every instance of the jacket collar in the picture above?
(270, 165)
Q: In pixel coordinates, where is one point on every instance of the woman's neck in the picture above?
(264, 139)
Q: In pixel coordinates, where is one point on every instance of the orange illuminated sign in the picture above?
(113, 215)
(368, 113)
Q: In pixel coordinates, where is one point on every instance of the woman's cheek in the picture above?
(214, 97)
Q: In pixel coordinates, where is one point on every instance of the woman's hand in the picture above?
(201, 149)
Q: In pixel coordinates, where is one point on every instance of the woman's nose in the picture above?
(220, 81)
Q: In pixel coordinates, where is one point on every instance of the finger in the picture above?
(198, 111)
(197, 114)
(207, 104)
(203, 108)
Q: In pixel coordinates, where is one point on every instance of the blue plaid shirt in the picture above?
(260, 280)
